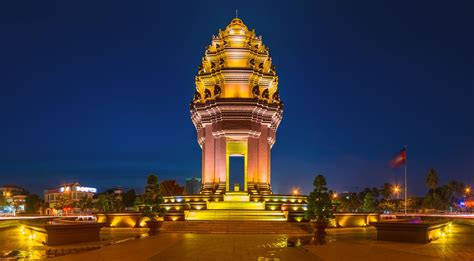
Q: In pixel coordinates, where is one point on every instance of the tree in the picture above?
(104, 203)
(85, 203)
(370, 203)
(375, 192)
(32, 204)
(3, 201)
(138, 203)
(454, 191)
(386, 191)
(432, 179)
(390, 205)
(63, 201)
(320, 206)
(116, 202)
(152, 198)
(129, 198)
(433, 201)
(349, 202)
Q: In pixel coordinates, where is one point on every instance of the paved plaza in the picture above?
(343, 244)
(14, 245)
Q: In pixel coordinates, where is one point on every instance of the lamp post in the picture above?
(296, 191)
(467, 191)
(396, 189)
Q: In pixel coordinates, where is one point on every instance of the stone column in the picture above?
(252, 171)
(264, 157)
(208, 158)
(220, 160)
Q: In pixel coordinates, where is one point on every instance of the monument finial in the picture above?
(236, 13)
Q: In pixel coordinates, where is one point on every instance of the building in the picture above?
(18, 203)
(236, 110)
(171, 188)
(11, 190)
(14, 198)
(115, 192)
(193, 186)
(61, 200)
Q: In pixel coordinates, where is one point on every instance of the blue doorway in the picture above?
(236, 172)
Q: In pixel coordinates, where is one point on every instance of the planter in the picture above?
(123, 219)
(319, 229)
(411, 230)
(154, 226)
(62, 232)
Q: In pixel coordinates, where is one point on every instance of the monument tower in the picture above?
(236, 110)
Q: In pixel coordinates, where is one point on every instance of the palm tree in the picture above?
(432, 180)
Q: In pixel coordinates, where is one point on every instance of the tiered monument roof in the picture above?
(236, 65)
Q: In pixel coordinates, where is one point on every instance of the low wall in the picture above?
(137, 220)
(5, 224)
(464, 219)
(62, 233)
(354, 219)
(410, 231)
(122, 219)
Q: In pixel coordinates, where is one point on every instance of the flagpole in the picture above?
(406, 188)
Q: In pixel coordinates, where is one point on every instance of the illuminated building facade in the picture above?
(18, 203)
(11, 190)
(66, 195)
(236, 110)
(14, 197)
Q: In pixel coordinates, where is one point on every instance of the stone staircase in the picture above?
(237, 227)
(220, 189)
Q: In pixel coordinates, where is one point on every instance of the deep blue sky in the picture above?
(98, 92)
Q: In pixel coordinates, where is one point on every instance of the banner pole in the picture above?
(406, 188)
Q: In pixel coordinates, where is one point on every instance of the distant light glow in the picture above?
(296, 191)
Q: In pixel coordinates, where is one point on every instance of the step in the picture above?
(240, 227)
(237, 196)
(230, 205)
(251, 215)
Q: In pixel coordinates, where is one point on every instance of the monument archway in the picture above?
(236, 149)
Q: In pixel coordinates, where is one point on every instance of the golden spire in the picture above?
(236, 65)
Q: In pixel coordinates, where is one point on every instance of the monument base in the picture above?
(236, 206)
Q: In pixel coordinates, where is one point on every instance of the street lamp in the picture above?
(296, 191)
(468, 191)
(396, 189)
(334, 195)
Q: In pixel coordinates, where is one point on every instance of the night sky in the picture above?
(98, 92)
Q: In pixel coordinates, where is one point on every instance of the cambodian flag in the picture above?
(399, 159)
